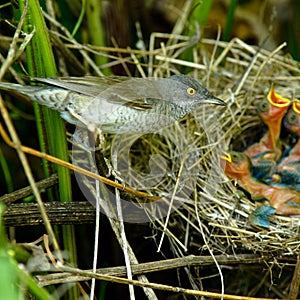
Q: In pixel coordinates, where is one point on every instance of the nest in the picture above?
(242, 75)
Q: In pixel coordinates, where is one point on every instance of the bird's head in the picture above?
(188, 93)
(292, 119)
(273, 108)
(236, 164)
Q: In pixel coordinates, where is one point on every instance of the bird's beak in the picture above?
(215, 100)
(227, 157)
(277, 100)
(296, 107)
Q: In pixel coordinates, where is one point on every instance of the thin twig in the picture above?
(27, 191)
(157, 286)
(73, 167)
(14, 52)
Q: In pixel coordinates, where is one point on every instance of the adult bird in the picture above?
(118, 104)
(268, 150)
(289, 167)
(237, 166)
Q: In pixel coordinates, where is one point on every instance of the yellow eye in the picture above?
(191, 91)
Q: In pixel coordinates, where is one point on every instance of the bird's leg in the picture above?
(89, 125)
(102, 162)
(99, 139)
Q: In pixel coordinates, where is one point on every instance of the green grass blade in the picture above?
(41, 63)
(12, 277)
(230, 16)
(6, 172)
(201, 11)
(96, 30)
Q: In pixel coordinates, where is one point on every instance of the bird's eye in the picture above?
(291, 118)
(263, 106)
(234, 157)
(190, 91)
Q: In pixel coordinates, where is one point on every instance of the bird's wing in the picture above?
(88, 85)
(136, 93)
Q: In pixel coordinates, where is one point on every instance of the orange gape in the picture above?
(271, 111)
(237, 165)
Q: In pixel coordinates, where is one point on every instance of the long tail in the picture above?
(49, 96)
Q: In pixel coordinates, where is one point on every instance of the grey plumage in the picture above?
(118, 104)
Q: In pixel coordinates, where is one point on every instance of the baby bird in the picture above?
(237, 166)
(267, 151)
(289, 167)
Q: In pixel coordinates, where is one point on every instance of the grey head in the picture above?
(187, 92)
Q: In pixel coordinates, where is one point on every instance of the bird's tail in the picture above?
(45, 95)
(21, 91)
